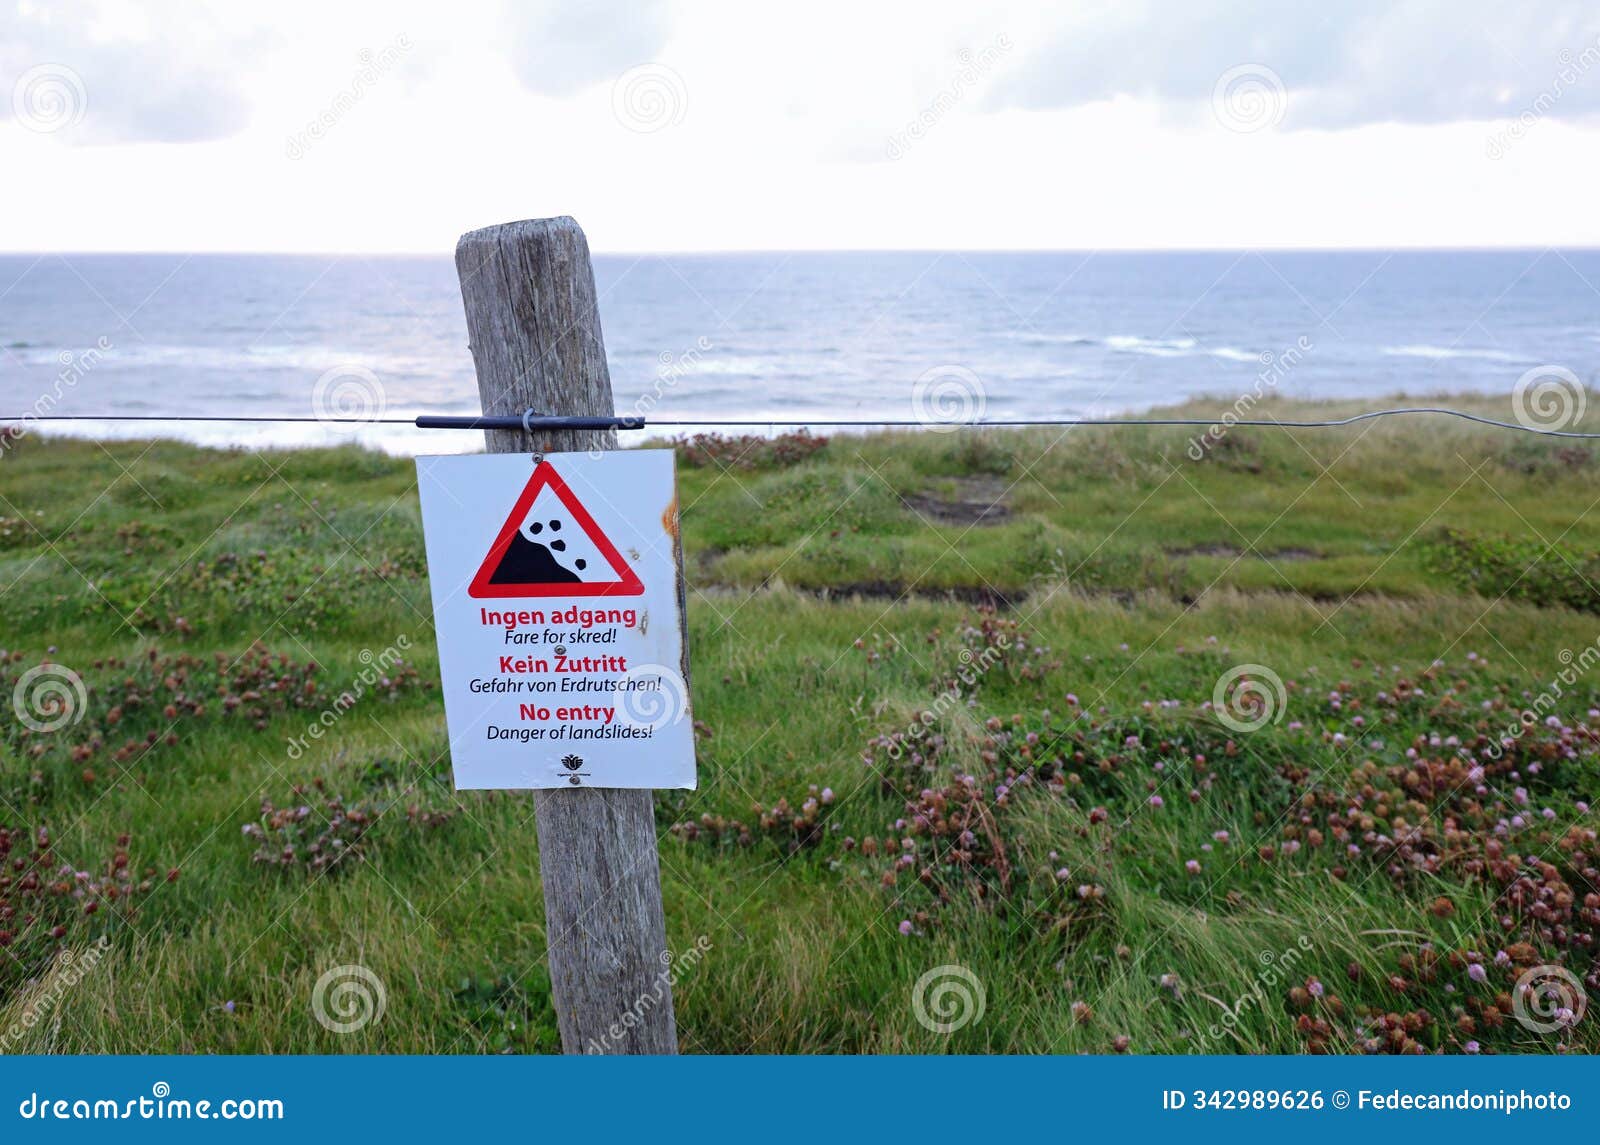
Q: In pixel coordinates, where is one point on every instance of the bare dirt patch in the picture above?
(890, 590)
(971, 501)
(1220, 549)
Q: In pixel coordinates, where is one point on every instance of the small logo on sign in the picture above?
(569, 769)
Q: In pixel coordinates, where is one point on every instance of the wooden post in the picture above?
(534, 326)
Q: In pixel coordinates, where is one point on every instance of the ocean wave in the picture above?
(1443, 353)
(1134, 344)
(395, 440)
(1178, 348)
(736, 365)
(1031, 338)
(1154, 347)
(310, 359)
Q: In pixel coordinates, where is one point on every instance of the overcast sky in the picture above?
(690, 125)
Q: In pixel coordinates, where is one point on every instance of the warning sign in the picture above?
(557, 603)
(550, 546)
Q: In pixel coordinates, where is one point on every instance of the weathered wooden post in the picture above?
(533, 322)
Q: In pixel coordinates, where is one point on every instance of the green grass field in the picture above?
(956, 739)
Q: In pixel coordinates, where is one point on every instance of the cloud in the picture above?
(111, 76)
(558, 48)
(1342, 65)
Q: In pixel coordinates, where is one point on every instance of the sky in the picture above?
(705, 125)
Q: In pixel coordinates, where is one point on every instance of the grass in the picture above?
(956, 728)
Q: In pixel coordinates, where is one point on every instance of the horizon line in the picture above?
(1512, 248)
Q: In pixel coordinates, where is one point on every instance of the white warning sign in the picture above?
(556, 600)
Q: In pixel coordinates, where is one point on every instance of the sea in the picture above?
(791, 337)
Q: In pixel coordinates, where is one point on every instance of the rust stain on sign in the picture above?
(669, 519)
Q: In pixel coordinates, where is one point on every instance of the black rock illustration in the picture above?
(527, 561)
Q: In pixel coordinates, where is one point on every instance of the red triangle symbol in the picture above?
(534, 561)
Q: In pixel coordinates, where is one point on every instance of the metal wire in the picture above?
(537, 421)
